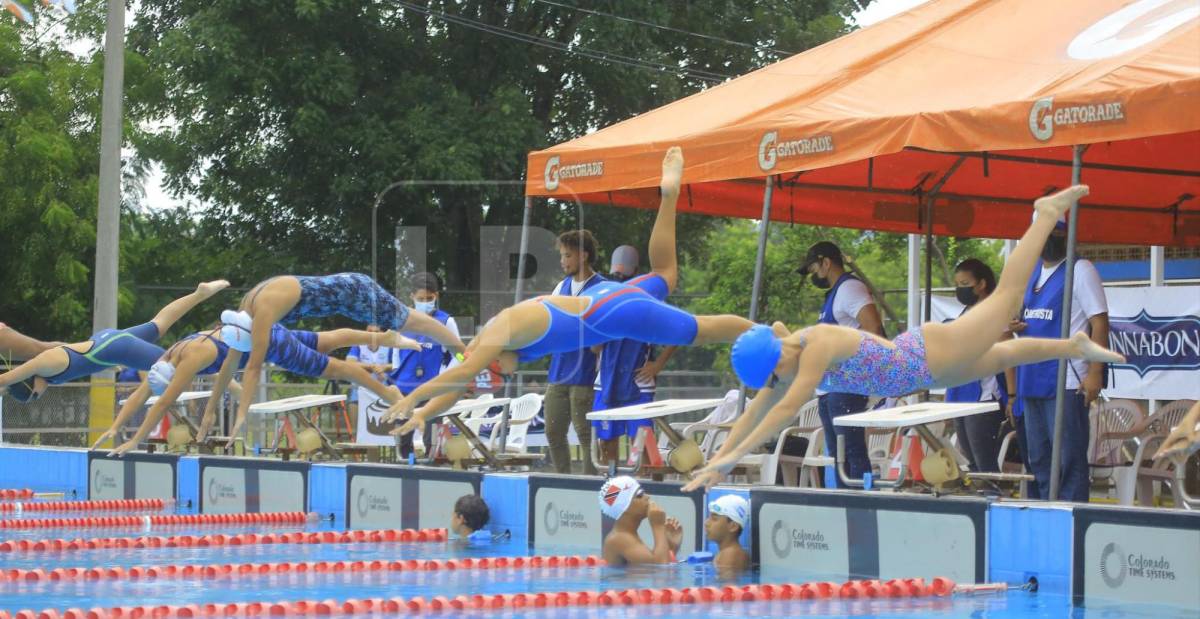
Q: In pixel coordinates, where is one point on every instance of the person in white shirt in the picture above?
(847, 303)
(376, 360)
(1037, 383)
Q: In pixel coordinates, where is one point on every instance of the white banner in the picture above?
(371, 431)
(1158, 331)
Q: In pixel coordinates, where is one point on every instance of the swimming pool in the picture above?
(329, 574)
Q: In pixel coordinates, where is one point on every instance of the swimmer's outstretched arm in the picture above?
(40, 365)
(131, 406)
(185, 372)
(433, 407)
(751, 418)
(813, 362)
(452, 381)
(663, 256)
(1181, 439)
(220, 384)
(420, 322)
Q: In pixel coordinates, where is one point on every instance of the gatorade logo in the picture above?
(555, 172)
(771, 150)
(1131, 27)
(1044, 116)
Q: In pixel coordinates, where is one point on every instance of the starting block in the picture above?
(495, 460)
(915, 416)
(292, 408)
(658, 411)
(178, 414)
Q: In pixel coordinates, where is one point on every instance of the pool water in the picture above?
(407, 584)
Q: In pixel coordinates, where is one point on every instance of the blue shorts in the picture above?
(353, 295)
(296, 352)
(612, 430)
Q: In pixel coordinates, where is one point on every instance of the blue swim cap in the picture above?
(22, 391)
(755, 354)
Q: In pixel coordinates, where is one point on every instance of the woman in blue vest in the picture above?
(134, 347)
(605, 312)
(978, 435)
(837, 358)
(413, 368)
(847, 303)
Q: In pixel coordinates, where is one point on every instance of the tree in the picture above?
(288, 118)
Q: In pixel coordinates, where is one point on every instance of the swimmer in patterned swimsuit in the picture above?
(842, 359)
(301, 352)
(605, 312)
(289, 298)
(133, 348)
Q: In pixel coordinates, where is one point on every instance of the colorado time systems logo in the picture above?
(1170, 343)
(1116, 566)
(785, 538)
(554, 519)
(365, 502)
(100, 481)
(217, 491)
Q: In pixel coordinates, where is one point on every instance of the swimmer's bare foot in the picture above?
(1055, 205)
(672, 173)
(394, 339)
(208, 289)
(1083, 347)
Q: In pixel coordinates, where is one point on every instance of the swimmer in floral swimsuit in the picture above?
(848, 360)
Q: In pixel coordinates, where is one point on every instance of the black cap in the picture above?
(820, 251)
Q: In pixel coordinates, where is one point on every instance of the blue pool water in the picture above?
(343, 585)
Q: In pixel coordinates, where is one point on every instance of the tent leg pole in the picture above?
(759, 259)
(928, 314)
(914, 277)
(1157, 278)
(508, 388)
(1065, 332)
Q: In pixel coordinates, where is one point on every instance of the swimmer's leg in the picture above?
(352, 372)
(328, 341)
(1026, 350)
(663, 255)
(948, 346)
(719, 329)
(175, 310)
(17, 345)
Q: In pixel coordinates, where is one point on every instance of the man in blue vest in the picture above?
(412, 368)
(847, 303)
(627, 372)
(569, 395)
(1041, 316)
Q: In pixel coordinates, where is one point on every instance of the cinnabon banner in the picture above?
(1158, 331)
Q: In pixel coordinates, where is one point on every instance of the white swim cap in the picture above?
(160, 376)
(617, 494)
(732, 507)
(235, 330)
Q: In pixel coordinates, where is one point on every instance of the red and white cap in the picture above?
(617, 494)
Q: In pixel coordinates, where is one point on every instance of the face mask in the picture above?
(1055, 249)
(818, 281)
(966, 295)
(427, 307)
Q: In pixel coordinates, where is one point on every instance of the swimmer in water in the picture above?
(300, 352)
(133, 348)
(847, 360)
(288, 298)
(623, 500)
(606, 312)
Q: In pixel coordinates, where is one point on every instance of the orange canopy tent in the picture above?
(967, 107)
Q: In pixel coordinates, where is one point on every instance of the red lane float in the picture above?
(227, 570)
(939, 587)
(12, 494)
(273, 518)
(89, 506)
(242, 539)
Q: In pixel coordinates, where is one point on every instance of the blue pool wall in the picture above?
(1024, 540)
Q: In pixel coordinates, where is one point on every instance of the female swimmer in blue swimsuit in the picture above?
(133, 348)
(301, 352)
(605, 312)
(842, 359)
(288, 298)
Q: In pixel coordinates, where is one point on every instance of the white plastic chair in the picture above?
(1137, 480)
(521, 412)
(806, 422)
(1114, 443)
